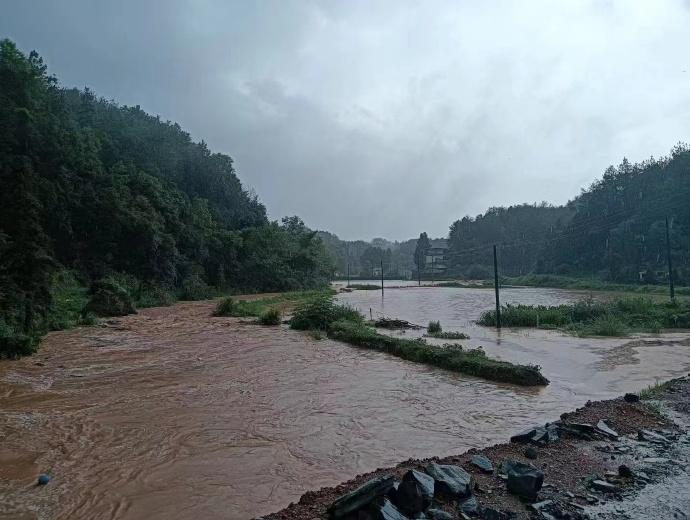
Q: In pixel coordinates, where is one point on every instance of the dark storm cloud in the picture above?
(387, 118)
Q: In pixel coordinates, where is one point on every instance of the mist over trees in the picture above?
(94, 190)
(614, 230)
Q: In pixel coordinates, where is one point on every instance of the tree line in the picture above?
(93, 191)
(615, 230)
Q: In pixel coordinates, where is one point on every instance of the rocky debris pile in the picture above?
(439, 492)
(552, 432)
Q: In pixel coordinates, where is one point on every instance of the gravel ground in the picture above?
(658, 487)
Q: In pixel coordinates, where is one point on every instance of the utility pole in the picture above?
(348, 274)
(419, 274)
(433, 270)
(670, 266)
(382, 277)
(498, 302)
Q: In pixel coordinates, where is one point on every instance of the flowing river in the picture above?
(176, 414)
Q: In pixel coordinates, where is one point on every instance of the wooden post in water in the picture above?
(670, 266)
(498, 302)
(382, 277)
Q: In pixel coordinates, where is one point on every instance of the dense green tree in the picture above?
(423, 245)
(110, 192)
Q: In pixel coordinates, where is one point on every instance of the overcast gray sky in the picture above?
(387, 118)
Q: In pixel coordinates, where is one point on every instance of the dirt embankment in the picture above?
(636, 467)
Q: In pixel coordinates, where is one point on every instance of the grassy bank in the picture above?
(566, 282)
(256, 308)
(588, 284)
(593, 318)
(345, 324)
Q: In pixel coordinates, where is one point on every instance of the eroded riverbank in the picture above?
(173, 413)
(619, 459)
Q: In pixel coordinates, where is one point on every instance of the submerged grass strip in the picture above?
(451, 357)
(592, 318)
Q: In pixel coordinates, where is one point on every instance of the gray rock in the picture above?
(361, 497)
(625, 471)
(470, 507)
(438, 514)
(552, 433)
(530, 435)
(650, 436)
(489, 513)
(538, 506)
(524, 480)
(604, 487)
(603, 428)
(631, 398)
(483, 463)
(415, 492)
(531, 452)
(383, 509)
(581, 430)
(450, 481)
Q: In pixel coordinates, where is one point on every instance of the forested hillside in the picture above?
(615, 230)
(105, 202)
(519, 230)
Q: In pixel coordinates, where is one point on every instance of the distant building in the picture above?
(436, 261)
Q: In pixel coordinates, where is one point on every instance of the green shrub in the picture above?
(593, 318)
(607, 325)
(14, 344)
(319, 313)
(17, 345)
(270, 316)
(194, 288)
(434, 327)
(110, 299)
(69, 301)
(153, 295)
(225, 307)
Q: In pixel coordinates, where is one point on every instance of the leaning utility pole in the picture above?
(670, 266)
(498, 303)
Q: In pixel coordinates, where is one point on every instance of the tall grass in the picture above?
(270, 316)
(596, 318)
(320, 313)
(588, 284)
(434, 327)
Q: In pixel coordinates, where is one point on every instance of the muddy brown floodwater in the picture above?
(175, 414)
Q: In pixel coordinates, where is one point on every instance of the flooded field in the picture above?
(174, 414)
